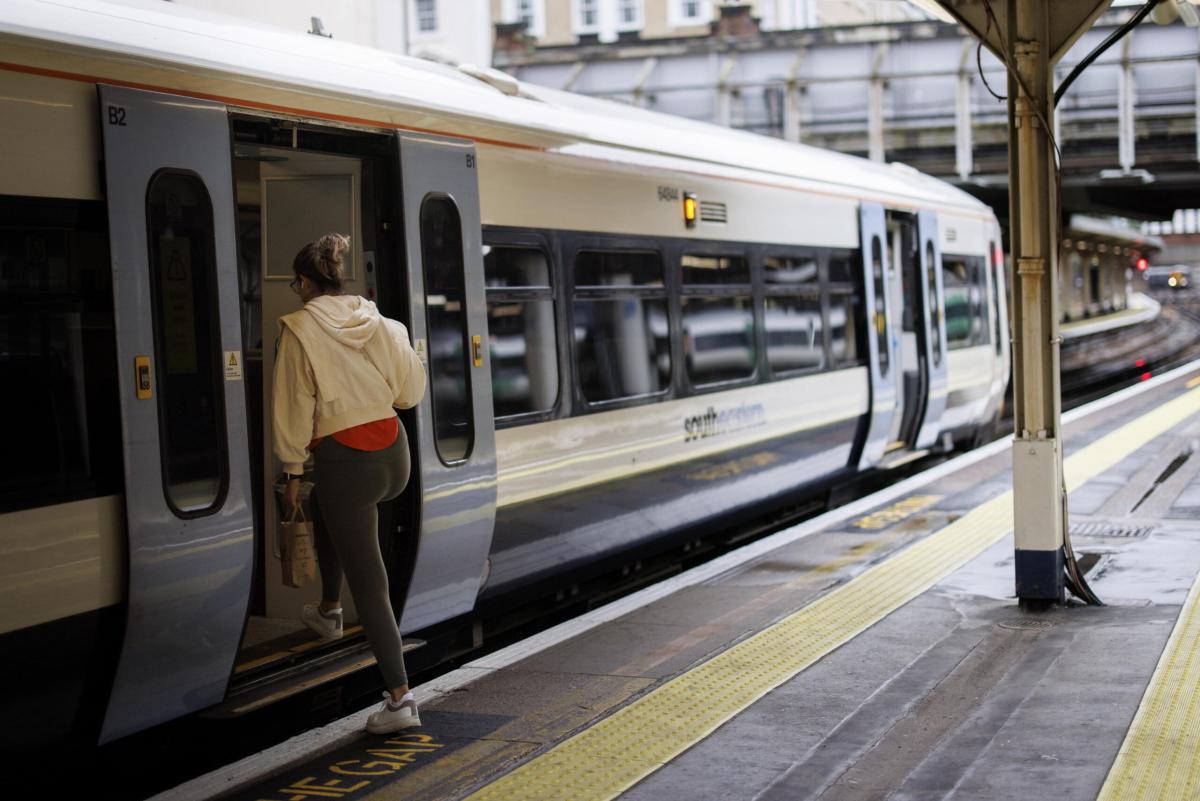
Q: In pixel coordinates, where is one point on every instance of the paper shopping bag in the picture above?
(297, 551)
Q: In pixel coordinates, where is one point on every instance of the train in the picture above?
(636, 327)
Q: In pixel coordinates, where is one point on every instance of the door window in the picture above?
(191, 397)
(445, 304)
(935, 329)
(880, 316)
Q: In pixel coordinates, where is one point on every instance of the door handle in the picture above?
(477, 350)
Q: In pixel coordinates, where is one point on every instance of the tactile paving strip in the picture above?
(1160, 758)
(622, 749)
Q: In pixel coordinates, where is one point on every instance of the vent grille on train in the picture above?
(713, 212)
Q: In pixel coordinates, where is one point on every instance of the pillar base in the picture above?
(1040, 575)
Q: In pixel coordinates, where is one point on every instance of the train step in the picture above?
(300, 679)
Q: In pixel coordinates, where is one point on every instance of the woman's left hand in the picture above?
(291, 494)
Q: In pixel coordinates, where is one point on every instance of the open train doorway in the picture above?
(295, 183)
(916, 286)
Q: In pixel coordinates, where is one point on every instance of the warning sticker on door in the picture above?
(422, 354)
(233, 365)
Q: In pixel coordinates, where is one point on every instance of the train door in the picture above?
(881, 343)
(917, 290)
(187, 478)
(929, 263)
(456, 437)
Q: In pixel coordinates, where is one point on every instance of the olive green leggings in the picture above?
(348, 486)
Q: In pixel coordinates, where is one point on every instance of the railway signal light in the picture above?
(1142, 264)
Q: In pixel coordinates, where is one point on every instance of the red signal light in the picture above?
(1140, 363)
(1144, 377)
(1142, 264)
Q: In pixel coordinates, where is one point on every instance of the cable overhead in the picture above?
(1111, 39)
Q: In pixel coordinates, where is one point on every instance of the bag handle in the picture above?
(298, 508)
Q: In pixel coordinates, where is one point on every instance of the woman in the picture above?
(341, 370)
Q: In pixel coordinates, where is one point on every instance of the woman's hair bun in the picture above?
(322, 261)
(331, 248)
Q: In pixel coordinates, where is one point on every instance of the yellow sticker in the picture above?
(233, 365)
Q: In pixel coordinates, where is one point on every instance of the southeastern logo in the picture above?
(715, 422)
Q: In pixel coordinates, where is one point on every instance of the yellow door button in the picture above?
(141, 365)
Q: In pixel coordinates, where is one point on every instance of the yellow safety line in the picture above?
(617, 752)
(1160, 758)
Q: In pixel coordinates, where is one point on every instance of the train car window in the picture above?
(935, 329)
(717, 307)
(792, 271)
(997, 261)
(445, 309)
(795, 325)
(880, 311)
(191, 392)
(58, 360)
(598, 268)
(714, 270)
(965, 283)
(845, 308)
(621, 333)
(521, 338)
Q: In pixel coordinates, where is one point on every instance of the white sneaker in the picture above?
(393, 716)
(326, 627)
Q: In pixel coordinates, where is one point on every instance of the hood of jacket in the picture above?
(349, 319)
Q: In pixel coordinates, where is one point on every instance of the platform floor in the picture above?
(875, 652)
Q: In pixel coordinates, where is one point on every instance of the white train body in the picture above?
(607, 377)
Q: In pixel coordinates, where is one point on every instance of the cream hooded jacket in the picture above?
(340, 363)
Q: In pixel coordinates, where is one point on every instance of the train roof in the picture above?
(242, 53)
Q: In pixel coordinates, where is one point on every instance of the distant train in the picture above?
(637, 328)
(1172, 276)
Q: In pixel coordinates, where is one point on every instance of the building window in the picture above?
(525, 13)
(589, 14)
(685, 13)
(530, 12)
(427, 16)
(629, 14)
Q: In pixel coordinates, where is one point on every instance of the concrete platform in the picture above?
(874, 652)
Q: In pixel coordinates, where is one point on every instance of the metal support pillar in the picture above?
(639, 81)
(875, 106)
(725, 92)
(1126, 99)
(1197, 110)
(1040, 503)
(792, 100)
(964, 163)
